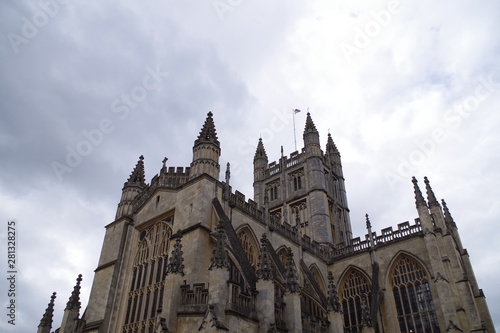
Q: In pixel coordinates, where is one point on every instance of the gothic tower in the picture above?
(306, 190)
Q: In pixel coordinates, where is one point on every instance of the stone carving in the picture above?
(175, 265)
(219, 258)
(265, 269)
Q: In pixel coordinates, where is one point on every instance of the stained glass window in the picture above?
(415, 308)
(354, 288)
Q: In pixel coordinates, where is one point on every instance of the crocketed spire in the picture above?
(219, 258)
(310, 127)
(74, 299)
(291, 276)
(137, 176)
(419, 199)
(265, 269)
(448, 219)
(46, 321)
(331, 148)
(431, 198)
(261, 151)
(208, 133)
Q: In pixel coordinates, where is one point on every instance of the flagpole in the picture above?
(294, 135)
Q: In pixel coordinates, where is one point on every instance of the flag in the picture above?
(296, 111)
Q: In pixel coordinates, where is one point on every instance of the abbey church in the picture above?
(188, 253)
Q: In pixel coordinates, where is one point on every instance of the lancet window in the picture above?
(249, 246)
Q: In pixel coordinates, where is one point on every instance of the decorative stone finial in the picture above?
(208, 132)
(368, 223)
(176, 266)
(291, 276)
(448, 219)
(331, 148)
(260, 152)
(46, 321)
(265, 267)
(431, 198)
(74, 299)
(310, 127)
(219, 258)
(332, 300)
(419, 199)
(137, 176)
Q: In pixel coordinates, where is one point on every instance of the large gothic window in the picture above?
(354, 291)
(249, 246)
(413, 298)
(148, 278)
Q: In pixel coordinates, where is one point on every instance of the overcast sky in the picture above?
(410, 88)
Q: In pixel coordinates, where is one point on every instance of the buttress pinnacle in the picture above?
(291, 276)
(448, 219)
(49, 313)
(431, 198)
(419, 199)
(74, 299)
(219, 258)
(265, 270)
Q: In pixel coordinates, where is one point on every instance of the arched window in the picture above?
(282, 256)
(410, 286)
(249, 246)
(148, 277)
(317, 277)
(354, 291)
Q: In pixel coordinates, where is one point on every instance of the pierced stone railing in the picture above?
(194, 296)
(284, 229)
(193, 300)
(388, 236)
(240, 301)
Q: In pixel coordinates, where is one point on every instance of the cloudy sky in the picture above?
(410, 88)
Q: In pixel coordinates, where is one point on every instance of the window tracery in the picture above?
(148, 277)
(413, 298)
(354, 289)
(249, 246)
